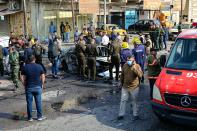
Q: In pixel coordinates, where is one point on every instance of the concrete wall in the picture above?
(17, 23)
(43, 13)
(192, 10)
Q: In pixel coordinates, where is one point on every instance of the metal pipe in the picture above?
(181, 10)
(73, 16)
(105, 14)
(25, 17)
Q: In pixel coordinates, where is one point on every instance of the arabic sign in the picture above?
(130, 18)
(152, 4)
(88, 6)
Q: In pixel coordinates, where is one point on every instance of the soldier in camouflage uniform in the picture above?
(1, 61)
(14, 66)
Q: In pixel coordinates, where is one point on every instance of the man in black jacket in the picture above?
(62, 29)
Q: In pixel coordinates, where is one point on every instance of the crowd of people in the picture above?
(131, 54)
(131, 60)
(22, 61)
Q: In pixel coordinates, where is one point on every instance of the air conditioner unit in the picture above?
(14, 5)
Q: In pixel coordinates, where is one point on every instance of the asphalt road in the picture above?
(100, 114)
(94, 113)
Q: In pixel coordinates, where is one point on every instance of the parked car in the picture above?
(143, 25)
(109, 28)
(175, 92)
(194, 25)
(173, 32)
(69, 62)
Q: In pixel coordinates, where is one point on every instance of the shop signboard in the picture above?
(130, 18)
(88, 6)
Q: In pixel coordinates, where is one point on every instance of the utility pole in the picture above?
(181, 10)
(73, 15)
(105, 14)
(25, 17)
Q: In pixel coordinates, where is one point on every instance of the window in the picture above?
(183, 55)
(140, 23)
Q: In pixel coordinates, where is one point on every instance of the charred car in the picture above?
(70, 64)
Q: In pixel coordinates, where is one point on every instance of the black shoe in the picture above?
(120, 117)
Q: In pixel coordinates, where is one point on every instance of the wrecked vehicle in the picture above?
(69, 61)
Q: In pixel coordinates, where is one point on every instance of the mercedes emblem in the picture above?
(186, 101)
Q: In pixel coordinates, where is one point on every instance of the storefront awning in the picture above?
(8, 12)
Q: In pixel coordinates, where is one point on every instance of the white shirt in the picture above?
(105, 40)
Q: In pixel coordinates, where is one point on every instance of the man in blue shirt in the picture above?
(52, 29)
(125, 52)
(139, 53)
(33, 79)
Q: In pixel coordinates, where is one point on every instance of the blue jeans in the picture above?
(67, 36)
(36, 93)
(55, 66)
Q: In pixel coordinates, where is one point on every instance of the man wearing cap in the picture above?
(125, 52)
(154, 69)
(130, 77)
(139, 53)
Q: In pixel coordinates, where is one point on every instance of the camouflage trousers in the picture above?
(1, 67)
(15, 75)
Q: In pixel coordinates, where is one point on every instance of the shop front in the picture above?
(42, 14)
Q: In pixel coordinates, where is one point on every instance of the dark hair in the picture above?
(31, 58)
(130, 56)
(29, 40)
(27, 44)
(152, 49)
(125, 38)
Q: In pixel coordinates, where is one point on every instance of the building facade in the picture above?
(12, 17)
(43, 12)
